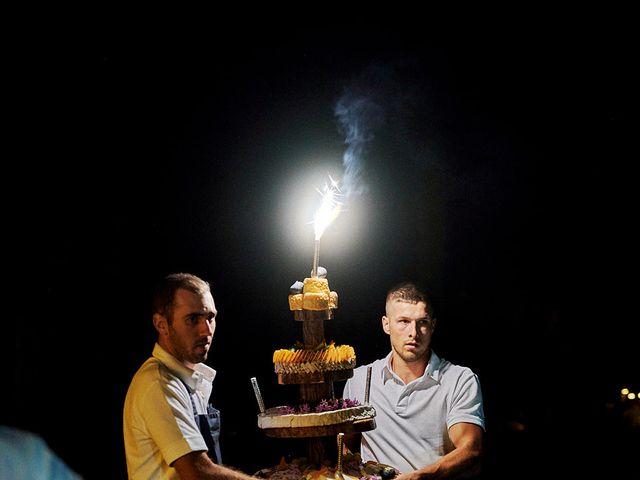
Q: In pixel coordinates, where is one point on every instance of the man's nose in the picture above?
(413, 329)
(206, 327)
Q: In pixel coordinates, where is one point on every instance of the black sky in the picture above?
(505, 184)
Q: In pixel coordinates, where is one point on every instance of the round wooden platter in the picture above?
(362, 425)
(314, 377)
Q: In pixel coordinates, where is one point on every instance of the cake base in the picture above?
(322, 431)
(352, 469)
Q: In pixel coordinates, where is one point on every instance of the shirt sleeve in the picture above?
(467, 404)
(168, 414)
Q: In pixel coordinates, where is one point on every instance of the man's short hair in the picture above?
(410, 292)
(165, 293)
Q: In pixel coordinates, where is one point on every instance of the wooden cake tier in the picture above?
(356, 426)
(302, 315)
(314, 377)
(277, 418)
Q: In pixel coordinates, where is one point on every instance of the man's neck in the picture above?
(409, 371)
(167, 348)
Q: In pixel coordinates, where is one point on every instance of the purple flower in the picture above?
(323, 406)
(348, 403)
(286, 410)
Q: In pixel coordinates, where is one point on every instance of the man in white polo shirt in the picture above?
(170, 429)
(429, 412)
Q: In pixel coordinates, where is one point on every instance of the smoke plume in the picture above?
(362, 110)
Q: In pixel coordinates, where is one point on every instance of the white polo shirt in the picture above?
(412, 420)
(158, 422)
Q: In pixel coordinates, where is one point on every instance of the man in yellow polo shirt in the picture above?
(170, 429)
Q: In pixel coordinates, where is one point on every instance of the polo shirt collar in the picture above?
(432, 370)
(191, 377)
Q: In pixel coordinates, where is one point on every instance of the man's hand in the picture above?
(198, 466)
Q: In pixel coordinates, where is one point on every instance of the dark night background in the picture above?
(501, 177)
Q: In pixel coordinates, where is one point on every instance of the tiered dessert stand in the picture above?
(314, 387)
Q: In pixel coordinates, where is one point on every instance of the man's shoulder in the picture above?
(454, 371)
(149, 369)
(153, 373)
(153, 383)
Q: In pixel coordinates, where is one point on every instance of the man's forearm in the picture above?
(197, 466)
(458, 464)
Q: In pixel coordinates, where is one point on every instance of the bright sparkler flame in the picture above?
(330, 207)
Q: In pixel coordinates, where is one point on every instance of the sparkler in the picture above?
(368, 386)
(330, 208)
(256, 390)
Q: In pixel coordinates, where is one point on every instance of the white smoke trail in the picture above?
(359, 117)
(361, 111)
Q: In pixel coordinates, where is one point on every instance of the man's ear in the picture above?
(385, 324)
(160, 323)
